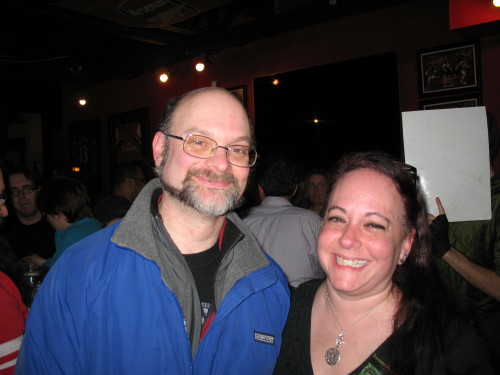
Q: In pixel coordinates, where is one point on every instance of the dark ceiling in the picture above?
(88, 41)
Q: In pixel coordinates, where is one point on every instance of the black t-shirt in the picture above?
(38, 238)
(204, 267)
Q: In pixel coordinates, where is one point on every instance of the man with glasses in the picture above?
(128, 181)
(180, 285)
(27, 231)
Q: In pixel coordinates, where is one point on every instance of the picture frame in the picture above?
(452, 68)
(85, 154)
(241, 93)
(452, 102)
(129, 136)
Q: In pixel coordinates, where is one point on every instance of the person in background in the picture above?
(287, 233)
(468, 260)
(65, 202)
(128, 181)
(314, 191)
(27, 230)
(13, 312)
(180, 285)
(317, 189)
(381, 309)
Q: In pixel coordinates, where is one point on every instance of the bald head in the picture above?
(200, 94)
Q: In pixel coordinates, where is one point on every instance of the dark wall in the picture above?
(401, 30)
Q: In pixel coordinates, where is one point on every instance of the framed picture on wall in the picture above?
(452, 102)
(453, 68)
(85, 146)
(241, 93)
(129, 136)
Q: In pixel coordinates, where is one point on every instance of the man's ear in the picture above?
(262, 195)
(159, 141)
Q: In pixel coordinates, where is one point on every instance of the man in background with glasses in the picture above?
(27, 230)
(180, 285)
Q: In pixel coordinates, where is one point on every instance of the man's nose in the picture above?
(219, 159)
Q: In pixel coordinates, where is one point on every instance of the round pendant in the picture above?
(332, 356)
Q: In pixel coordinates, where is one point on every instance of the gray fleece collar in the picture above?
(142, 231)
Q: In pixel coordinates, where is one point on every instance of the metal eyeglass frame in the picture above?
(227, 148)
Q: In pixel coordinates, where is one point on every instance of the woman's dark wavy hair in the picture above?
(421, 314)
(67, 196)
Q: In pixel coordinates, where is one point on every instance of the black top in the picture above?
(38, 238)
(112, 207)
(204, 267)
(463, 353)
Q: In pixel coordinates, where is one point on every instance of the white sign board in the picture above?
(449, 148)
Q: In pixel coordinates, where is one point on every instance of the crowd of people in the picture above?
(333, 271)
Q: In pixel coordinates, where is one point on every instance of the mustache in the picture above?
(211, 176)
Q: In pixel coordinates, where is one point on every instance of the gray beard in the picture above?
(191, 195)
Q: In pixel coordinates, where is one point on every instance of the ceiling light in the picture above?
(496, 3)
(202, 63)
(82, 101)
(200, 67)
(163, 77)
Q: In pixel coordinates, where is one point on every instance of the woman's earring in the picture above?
(403, 258)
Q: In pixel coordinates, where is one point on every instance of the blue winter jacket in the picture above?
(107, 307)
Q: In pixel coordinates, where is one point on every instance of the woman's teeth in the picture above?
(351, 263)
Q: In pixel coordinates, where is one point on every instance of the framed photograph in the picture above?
(85, 154)
(129, 135)
(453, 102)
(449, 69)
(241, 93)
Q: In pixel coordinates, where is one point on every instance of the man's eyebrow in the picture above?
(24, 186)
(199, 131)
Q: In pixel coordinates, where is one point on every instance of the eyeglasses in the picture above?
(137, 178)
(25, 190)
(3, 199)
(203, 147)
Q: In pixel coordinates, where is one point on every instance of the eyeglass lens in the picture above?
(25, 190)
(203, 147)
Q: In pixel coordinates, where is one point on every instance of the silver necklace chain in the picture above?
(332, 355)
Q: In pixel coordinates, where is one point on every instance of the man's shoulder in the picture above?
(111, 201)
(277, 205)
(94, 247)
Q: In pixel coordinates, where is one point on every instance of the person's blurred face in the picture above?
(3, 208)
(211, 186)
(24, 204)
(58, 221)
(363, 235)
(139, 181)
(317, 189)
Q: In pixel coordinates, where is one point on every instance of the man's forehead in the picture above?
(19, 179)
